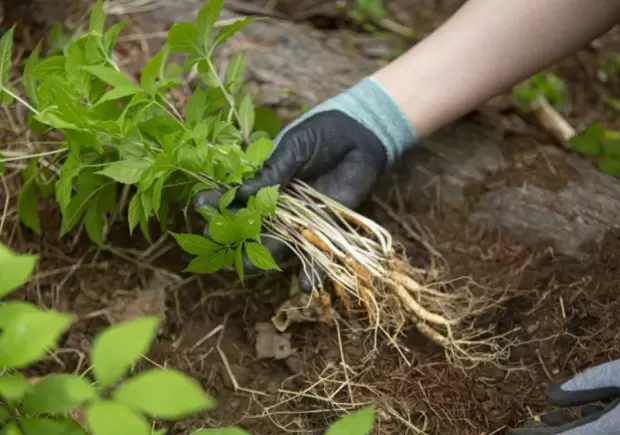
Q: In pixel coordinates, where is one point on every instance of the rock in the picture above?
(270, 343)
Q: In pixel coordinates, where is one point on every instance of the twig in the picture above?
(553, 122)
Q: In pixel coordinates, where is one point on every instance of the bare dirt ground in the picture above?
(492, 194)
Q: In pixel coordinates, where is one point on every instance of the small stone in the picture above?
(295, 364)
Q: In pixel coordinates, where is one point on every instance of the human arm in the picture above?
(486, 47)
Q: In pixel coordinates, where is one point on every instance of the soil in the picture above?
(562, 293)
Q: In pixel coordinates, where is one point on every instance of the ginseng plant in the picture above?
(117, 129)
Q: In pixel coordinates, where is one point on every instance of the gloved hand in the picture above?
(599, 383)
(339, 147)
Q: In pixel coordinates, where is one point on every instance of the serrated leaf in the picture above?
(111, 35)
(227, 198)
(246, 115)
(235, 72)
(183, 38)
(258, 151)
(49, 67)
(195, 107)
(209, 263)
(13, 386)
(57, 394)
(135, 212)
(109, 75)
(75, 210)
(109, 418)
(609, 165)
(207, 16)
(41, 330)
(21, 266)
(195, 244)
(28, 206)
(163, 394)
(120, 92)
(120, 346)
(30, 82)
(260, 256)
(6, 56)
(229, 30)
(128, 171)
(153, 70)
(359, 423)
(248, 224)
(97, 18)
(266, 199)
(94, 223)
(223, 230)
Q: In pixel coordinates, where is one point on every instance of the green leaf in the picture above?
(109, 418)
(208, 263)
(164, 394)
(28, 206)
(260, 257)
(609, 165)
(48, 67)
(258, 151)
(248, 224)
(195, 107)
(183, 38)
(135, 212)
(94, 223)
(6, 56)
(97, 18)
(229, 30)
(109, 75)
(223, 230)
(267, 120)
(153, 70)
(11, 310)
(359, 423)
(128, 171)
(75, 209)
(44, 426)
(227, 198)
(207, 212)
(57, 394)
(246, 115)
(235, 71)
(21, 267)
(120, 346)
(2, 168)
(111, 35)
(120, 92)
(239, 262)
(30, 82)
(207, 16)
(41, 330)
(266, 199)
(13, 386)
(590, 141)
(195, 244)
(611, 146)
(221, 431)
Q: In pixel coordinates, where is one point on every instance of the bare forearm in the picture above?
(486, 47)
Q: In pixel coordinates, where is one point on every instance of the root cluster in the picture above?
(367, 274)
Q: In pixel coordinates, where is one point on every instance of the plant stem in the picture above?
(16, 97)
(13, 415)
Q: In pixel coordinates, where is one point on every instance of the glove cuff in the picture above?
(372, 106)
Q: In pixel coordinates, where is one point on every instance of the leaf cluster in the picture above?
(111, 401)
(547, 85)
(120, 130)
(604, 145)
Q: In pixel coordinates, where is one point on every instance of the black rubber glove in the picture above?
(332, 152)
(339, 148)
(600, 383)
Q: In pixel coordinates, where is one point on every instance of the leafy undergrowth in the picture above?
(120, 132)
(109, 401)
